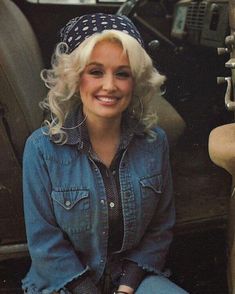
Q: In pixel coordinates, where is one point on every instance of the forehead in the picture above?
(109, 51)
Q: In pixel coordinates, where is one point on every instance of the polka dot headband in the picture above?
(80, 28)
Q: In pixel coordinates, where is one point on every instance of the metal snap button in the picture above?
(67, 203)
(111, 204)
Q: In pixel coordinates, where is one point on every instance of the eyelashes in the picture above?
(121, 74)
(96, 72)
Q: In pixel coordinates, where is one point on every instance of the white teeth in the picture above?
(106, 99)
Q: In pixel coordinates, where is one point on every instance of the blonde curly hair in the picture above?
(63, 81)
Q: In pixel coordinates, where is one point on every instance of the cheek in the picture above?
(86, 85)
(128, 88)
(83, 83)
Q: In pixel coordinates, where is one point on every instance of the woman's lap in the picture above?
(157, 284)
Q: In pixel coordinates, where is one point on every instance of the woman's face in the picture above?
(106, 83)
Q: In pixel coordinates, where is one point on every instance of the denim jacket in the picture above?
(66, 210)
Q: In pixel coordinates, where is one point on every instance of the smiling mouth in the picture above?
(107, 99)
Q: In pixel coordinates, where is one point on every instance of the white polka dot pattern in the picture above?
(80, 28)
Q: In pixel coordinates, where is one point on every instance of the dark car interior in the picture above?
(182, 38)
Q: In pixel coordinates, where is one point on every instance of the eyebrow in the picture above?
(100, 64)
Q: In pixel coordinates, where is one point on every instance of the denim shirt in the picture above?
(66, 210)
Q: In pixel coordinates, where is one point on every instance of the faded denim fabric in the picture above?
(158, 284)
(66, 210)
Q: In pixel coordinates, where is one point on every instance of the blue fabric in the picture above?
(66, 210)
(82, 27)
(158, 284)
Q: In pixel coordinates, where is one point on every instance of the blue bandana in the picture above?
(80, 28)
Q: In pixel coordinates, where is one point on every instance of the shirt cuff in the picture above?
(82, 285)
(132, 274)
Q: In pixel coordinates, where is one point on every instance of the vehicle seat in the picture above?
(20, 84)
(222, 153)
(222, 147)
(170, 120)
(21, 89)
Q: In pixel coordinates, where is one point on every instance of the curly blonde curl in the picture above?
(63, 82)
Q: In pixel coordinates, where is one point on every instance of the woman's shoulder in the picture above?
(38, 135)
(158, 136)
(39, 143)
(38, 139)
(159, 132)
(154, 139)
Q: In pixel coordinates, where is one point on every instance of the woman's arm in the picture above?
(54, 261)
(151, 251)
(131, 277)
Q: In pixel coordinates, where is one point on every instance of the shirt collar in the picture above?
(79, 135)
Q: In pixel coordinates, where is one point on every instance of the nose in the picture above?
(109, 82)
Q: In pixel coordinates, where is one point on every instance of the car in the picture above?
(183, 38)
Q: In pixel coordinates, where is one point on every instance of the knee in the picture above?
(153, 284)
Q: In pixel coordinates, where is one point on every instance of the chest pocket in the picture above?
(72, 210)
(151, 189)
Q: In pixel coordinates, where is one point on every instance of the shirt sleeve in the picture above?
(84, 285)
(150, 253)
(132, 274)
(54, 261)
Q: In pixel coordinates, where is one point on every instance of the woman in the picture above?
(97, 183)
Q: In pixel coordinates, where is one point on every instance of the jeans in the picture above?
(156, 284)
(153, 284)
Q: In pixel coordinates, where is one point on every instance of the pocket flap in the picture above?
(153, 182)
(69, 198)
